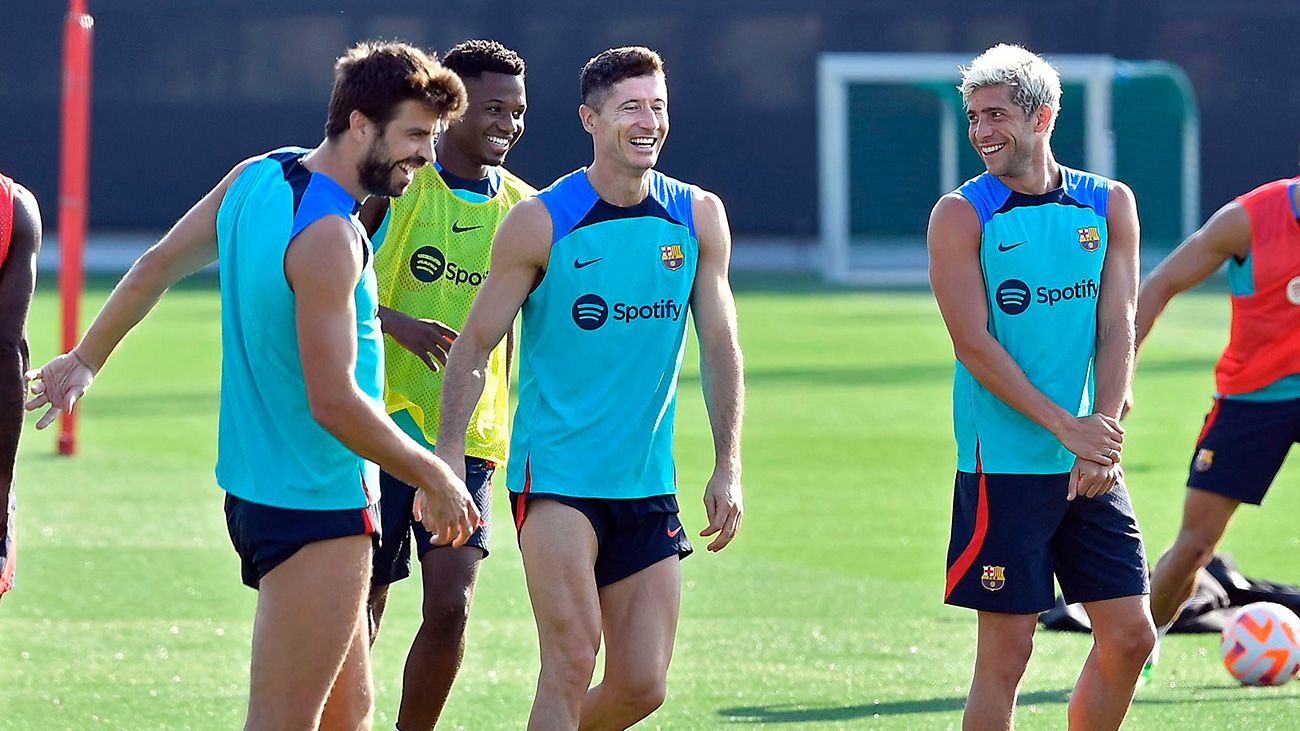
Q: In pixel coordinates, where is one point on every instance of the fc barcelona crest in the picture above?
(672, 257)
(1204, 460)
(993, 578)
(1089, 238)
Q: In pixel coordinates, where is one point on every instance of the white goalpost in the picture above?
(851, 251)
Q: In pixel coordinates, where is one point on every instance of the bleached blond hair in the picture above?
(1033, 82)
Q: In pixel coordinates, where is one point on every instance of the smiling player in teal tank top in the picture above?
(605, 264)
(1034, 266)
(301, 419)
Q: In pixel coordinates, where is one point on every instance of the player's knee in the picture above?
(1129, 642)
(1194, 546)
(641, 697)
(1006, 664)
(447, 612)
(569, 666)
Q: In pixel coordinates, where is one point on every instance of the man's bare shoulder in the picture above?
(27, 226)
(527, 227)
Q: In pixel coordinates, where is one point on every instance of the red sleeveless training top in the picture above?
(6, 216)
(1264, 344)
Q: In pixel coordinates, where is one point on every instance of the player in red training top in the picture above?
(1256, 414)
(20, 239)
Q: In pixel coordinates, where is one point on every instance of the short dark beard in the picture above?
(376, 173)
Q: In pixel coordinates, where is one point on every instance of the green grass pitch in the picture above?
(826, 614)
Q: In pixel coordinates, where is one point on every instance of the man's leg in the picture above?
(559, 550)
(1205, 518)
(392, 558)
(8, 540)
(351, 700)
(449, 576)
(309, 609)
(376, 603)
(1002, 652)
(1123, 636)
(639, 614)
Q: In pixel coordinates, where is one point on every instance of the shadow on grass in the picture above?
(804, 713)
(801, 713)
(1217, 693)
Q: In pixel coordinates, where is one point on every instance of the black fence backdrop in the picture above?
(183, 90)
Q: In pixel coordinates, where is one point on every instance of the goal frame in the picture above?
(836, 71)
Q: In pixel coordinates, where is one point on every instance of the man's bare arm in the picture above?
(190, 245)
(520, 251)
(722, 372)
(1226, 234)
(958, 282)
(1117, 303)
(323, 265)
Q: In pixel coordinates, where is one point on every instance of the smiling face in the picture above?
(1005, 139)
(492, 124)
(398, 148)
(631, 122)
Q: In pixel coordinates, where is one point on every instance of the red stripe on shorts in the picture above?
(365, 512)
(523, 496)
(1209, 420)
(967, 557)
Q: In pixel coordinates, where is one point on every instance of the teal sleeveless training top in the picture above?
(1042, 258)
(270, 450)
(601, 344)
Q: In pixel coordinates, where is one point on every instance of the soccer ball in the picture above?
(1261, 644)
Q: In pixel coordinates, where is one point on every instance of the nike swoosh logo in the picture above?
(456, 228)
(672, 532)
(578, 264)
(1009, 247)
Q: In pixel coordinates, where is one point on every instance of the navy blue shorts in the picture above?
(1012, 533)
(1242, 447)
(393, 557)
(265, 537)
(631, 534)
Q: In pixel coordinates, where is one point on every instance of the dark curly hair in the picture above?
(373, 77)
(470, 59)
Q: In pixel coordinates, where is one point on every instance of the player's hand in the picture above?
(445, 507)
(429, 340)
(724, 506)
(1089, 479)
(1095, 437)
(59, 384)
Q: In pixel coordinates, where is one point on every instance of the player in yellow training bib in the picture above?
(433, 246)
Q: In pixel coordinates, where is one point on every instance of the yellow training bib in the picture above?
(431, 263)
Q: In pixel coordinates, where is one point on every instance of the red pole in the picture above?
(78, 29)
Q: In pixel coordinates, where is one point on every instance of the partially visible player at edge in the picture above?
(432, 249)
(20, 241)
(302, 363)
(603, 264)
(1256, 413)
(1035, 267)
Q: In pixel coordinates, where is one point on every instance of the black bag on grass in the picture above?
(1221, 589)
